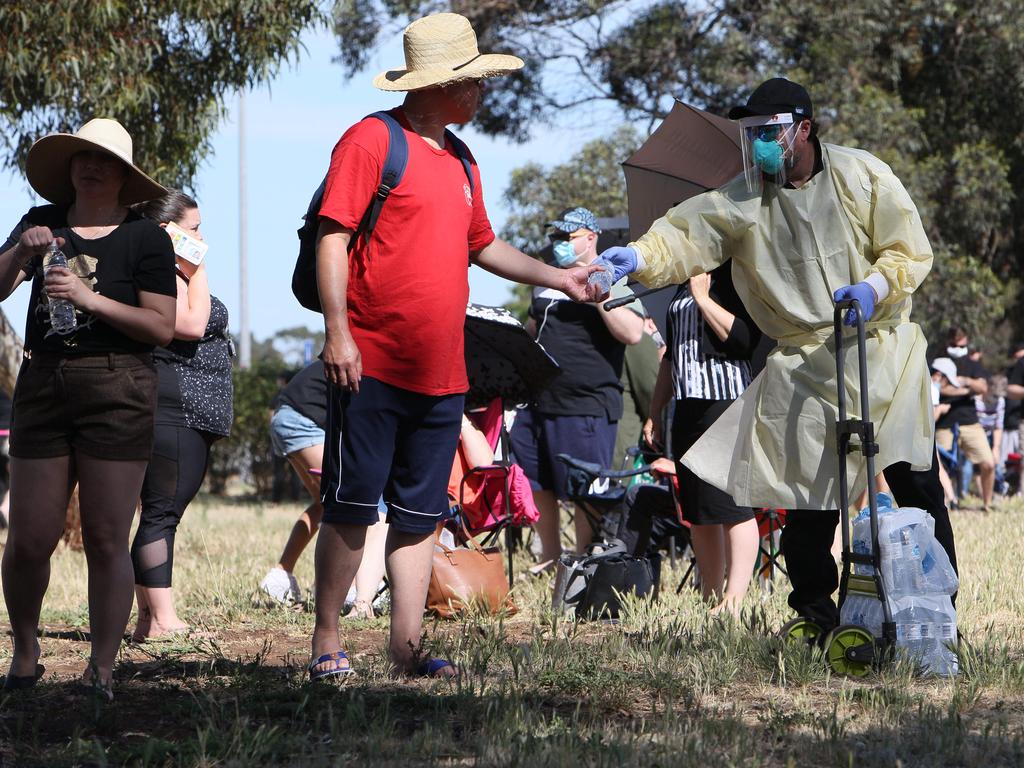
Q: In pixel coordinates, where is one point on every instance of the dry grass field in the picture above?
(668, 686)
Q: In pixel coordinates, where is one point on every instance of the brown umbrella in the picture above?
(691, 152)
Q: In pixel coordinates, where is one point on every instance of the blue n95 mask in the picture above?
(768, 155)
(565, 254)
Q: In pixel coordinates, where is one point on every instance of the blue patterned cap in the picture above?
(572, 219)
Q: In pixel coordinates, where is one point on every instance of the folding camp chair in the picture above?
(596, 490)
(502, 499)
(769, 546)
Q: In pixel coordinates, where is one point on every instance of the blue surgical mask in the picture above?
(565, 253)
(768, 155)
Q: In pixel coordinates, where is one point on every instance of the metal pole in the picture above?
(245, 340)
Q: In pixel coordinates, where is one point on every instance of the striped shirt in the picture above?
(693, 376)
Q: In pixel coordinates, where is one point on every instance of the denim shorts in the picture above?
(290, 431)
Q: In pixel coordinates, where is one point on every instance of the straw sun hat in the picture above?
(441, 49)
(48, 166)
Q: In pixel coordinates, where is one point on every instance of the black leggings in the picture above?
(176, 470)
(808, 534)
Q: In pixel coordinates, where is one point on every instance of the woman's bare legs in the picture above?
(40, 490)
(108, 494)
(709, 549)
(741, 551)
(306, 526)
(371, 571)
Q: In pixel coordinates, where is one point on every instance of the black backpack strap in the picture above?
(463, 153)
(391, 174)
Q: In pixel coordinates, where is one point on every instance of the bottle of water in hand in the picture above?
(602, 278)
(62, 312)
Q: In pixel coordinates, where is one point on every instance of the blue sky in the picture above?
(291, 127)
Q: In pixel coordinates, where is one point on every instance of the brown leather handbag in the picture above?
(465, 576)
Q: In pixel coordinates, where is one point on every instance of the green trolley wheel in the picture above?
(801, 629)
(841, 641)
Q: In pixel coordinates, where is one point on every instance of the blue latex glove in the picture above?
(862, 292)
(623, 261)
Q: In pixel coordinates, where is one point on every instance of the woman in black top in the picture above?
(83, 403)
(194, 409)
(707, 366)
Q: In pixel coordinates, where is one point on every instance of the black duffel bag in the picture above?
(615, 575)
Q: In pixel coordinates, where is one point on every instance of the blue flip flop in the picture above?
(341, 667)
(433, 667)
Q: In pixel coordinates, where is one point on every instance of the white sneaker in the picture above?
(281, 586)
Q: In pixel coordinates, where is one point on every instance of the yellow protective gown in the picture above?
(791, 249)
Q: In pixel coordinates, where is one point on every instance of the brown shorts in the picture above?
(101, 405)
(973, 442)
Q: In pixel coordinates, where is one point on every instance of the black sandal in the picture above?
(22, 682)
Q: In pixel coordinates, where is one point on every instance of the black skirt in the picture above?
(702, 503)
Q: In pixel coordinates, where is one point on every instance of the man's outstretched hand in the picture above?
(575, 285)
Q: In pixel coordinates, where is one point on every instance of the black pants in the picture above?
(648, 517)
(175, 473)
(808, 535)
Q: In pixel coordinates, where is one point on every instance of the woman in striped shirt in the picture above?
(711, 340)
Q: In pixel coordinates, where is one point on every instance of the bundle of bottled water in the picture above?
(918, 579)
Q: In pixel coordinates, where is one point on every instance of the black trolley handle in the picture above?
(865, 431)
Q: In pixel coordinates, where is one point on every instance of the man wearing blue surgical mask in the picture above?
(578, 414)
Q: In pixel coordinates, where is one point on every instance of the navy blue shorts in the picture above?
(396, 444)
(537, 439)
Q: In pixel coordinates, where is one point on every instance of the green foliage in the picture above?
(164, 70)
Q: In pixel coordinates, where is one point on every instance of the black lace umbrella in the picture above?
(502, 360)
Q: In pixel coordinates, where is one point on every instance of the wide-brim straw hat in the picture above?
(441, 49)
(48, 166)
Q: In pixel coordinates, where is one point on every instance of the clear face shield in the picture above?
(767, 144)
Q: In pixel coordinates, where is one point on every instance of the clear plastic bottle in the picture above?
(62, 312)
(602, 278)
(907, 572)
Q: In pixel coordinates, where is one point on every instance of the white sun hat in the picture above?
(440, 49)
(48, 166)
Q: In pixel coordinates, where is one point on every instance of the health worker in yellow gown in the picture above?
(806, 225)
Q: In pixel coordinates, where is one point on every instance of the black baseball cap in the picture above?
(774, 96)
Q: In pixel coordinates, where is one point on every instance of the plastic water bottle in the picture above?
(907, 571)
(925, 634)
(602, 278)
(62, 312)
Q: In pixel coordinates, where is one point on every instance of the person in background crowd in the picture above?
(1012, 426)
(193, 410)
(85, 400)
(639, 374)
(963, 412)
(579, 412)
(297, 434)
(710, 343)
(943, 371)
(991, 416)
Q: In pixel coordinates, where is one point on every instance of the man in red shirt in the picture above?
(394, 309)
